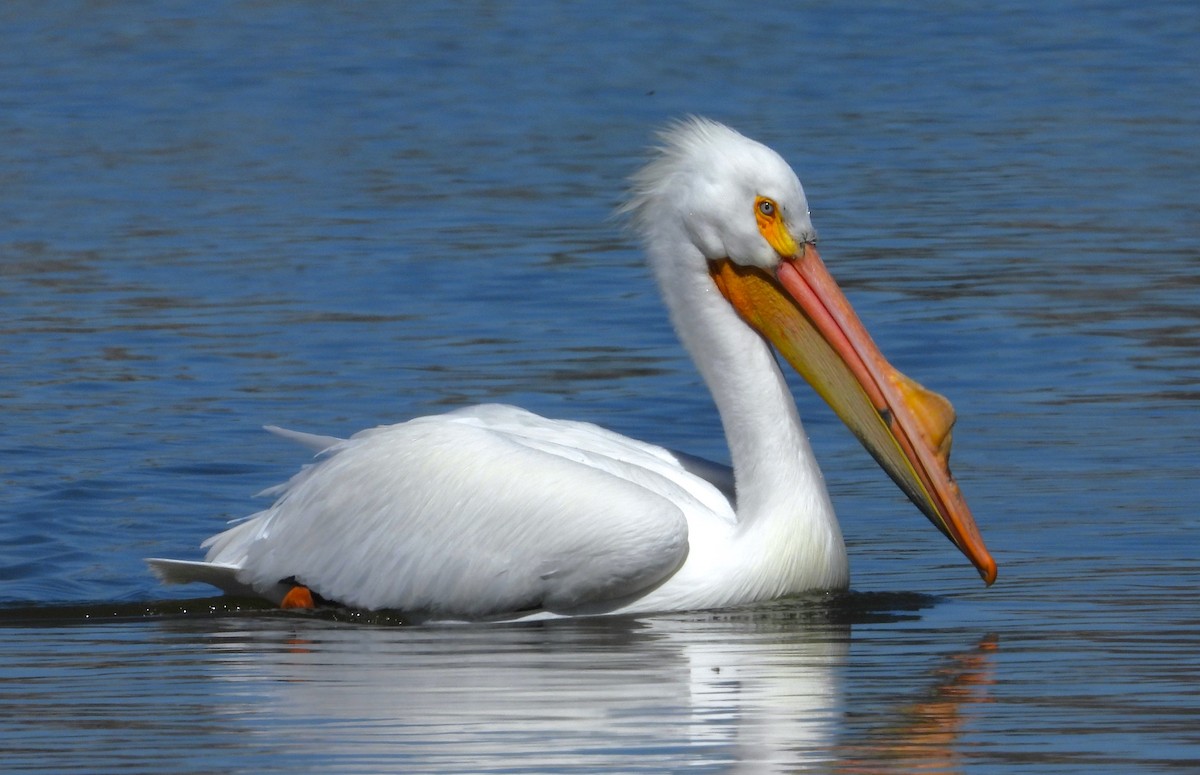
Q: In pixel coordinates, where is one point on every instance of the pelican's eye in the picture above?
(772, 227)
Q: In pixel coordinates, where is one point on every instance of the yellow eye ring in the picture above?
(766, 207)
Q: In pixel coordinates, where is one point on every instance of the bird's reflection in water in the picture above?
(924, 735)
(759, 690)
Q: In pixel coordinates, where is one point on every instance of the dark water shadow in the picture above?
(840, 608)
(80, 614)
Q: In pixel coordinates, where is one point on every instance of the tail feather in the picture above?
(231, 544)
(222, 576)
(313, 441)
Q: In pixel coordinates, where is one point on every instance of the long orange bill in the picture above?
(906, 428)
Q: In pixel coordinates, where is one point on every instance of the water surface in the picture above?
(217, 216)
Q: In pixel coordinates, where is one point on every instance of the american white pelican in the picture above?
(493, 512)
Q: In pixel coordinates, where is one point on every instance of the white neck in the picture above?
(782, 502)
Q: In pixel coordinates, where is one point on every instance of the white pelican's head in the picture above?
(716, 201)
(701, 181)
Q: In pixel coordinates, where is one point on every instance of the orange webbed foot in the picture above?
(298, 596)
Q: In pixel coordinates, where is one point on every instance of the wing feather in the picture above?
(475, 513)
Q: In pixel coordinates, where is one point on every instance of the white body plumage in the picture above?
(494, 512)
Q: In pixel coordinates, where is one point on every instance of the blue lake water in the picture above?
(215, 216)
